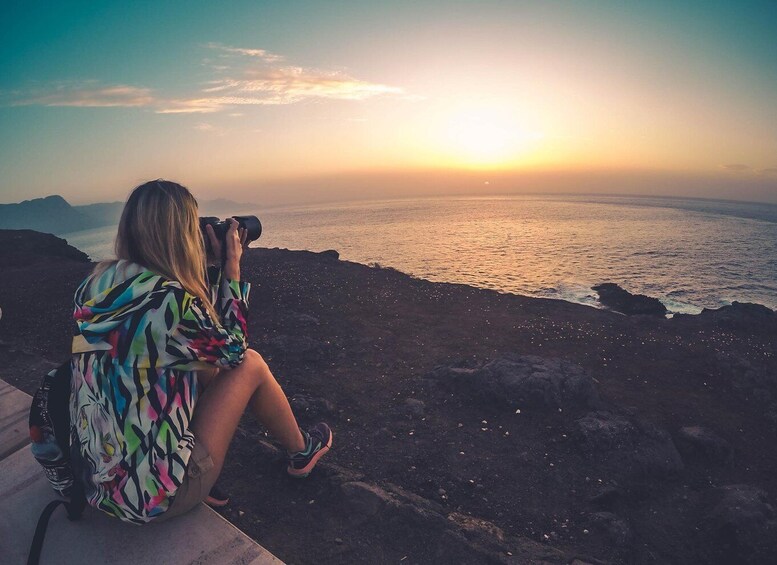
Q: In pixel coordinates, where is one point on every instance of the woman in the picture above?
(161, 370)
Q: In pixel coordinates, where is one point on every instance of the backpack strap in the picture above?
(74, 508)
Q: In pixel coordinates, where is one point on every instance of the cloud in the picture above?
(737, 167)
(259, 79)
(259, 53)
(251, 77)
(209, 128)
(769, 171)
(88, 94)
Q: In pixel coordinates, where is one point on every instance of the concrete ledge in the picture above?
(14, 414)
(198, 537)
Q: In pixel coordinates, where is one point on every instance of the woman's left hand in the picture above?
(215, 247)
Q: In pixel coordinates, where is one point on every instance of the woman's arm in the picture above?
(197, 338)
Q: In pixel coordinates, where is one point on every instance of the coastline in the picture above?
(651, 252)
(609, 473)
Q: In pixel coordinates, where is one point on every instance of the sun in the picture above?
(486, 137)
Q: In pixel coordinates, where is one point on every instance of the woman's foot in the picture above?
(216, 498)
(318, 440)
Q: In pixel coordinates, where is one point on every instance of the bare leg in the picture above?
(220, 407)
(205, 377)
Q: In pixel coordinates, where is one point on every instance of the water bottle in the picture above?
(55, 464)
(46, 449)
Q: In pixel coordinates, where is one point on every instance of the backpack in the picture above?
(52, 447)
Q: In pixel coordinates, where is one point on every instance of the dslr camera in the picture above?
(249, 223)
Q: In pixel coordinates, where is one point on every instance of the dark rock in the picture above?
(302, 319)
(607, 497)
(303, 346)
(330, 254)
(414, 407)
(603, 431)
(628, 445)
(472, 524)
(19, 248)
(365, 499)
(741, 527)
(311, 405)
(383, 434)
(700, 444)
(742, 316)
(616, 529)
(526, 381)
(753, 381)
(616, 298)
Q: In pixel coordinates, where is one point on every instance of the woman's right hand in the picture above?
(234, 244)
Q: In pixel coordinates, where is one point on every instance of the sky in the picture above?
(287, 102)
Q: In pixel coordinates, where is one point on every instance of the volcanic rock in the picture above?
(330, 254)
(365, 499)
(616, 529)
(414, 407)
(742, 316)
(304, 347)
(741, 527)
(311, 405)
(19, 248)
(526, 381)
(627, 445)
(616, 298)
(698, 443)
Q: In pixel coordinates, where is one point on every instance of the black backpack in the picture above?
(53, 449)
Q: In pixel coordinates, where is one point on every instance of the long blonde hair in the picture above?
(160, 230)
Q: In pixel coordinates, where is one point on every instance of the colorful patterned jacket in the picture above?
(139, 341)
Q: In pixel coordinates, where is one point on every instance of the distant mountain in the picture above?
(53, 214)
(104, 213)
(223, 207)
(50, 215)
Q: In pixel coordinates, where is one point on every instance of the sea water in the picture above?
(689, 253)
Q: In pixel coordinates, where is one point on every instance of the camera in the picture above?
(249, 223)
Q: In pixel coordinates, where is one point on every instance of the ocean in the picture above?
(689, 253)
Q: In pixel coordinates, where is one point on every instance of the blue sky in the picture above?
(269, 98)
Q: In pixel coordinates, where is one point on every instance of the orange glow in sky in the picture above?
(271, 100)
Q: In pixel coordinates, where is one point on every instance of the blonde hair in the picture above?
(160, 230)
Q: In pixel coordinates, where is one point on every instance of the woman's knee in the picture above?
(252, 359)
(256, 364)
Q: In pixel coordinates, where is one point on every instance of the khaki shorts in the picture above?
(201, 475)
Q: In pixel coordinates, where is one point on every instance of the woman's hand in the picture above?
(235, 241)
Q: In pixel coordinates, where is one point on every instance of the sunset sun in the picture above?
(487, 136)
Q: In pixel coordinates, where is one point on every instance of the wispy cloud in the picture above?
(737, 167)
(242, 77)
(260, 53)
(769, 171)
(87, 94)
(259, 78)
(210, 128)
